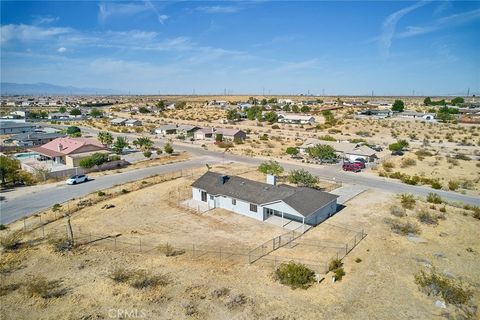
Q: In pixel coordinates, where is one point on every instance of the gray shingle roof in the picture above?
(304, 200)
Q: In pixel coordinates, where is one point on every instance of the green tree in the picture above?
(143, 110)
(398, 146)
(271, 167)
(292, 151)
(161, 105)
(120, 144)
(305, 109)
(105, 137)
(286, 108)
(427, 101)
(271, 116)
(398, 106)
(321, 151)
(75, 112)
(73, 131)
(264, 102)
(302, 178)
(180, 105)
(456, 101)
(232, 115)
(62, 109)
(143, 143)
(168, 148)
(8, 169)
(329, 117)
(295, 108)
(218, 137)
(96, 113)
(254, 112)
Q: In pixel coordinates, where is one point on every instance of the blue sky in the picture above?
(281, 47)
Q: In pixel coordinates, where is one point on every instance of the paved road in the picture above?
(22, 206)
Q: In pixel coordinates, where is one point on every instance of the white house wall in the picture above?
(322, 213)
(283, 207)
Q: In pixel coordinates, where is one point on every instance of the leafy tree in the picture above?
(180, 105)
(456, 101)
(8, 168)
(96, 113)
(143, 143)
(143, 110)
(427, 101)
(292, 151)
(271, 167)
(232, 115)
(95, 159)
(319, 101)
(168, 148)
(105, 137)
(302, 178)
(264, 102)
(305, 109)
(398, 146)
(73, 131)
(254, 112)
(120, 144)
(398, 106)
(62, 109)
(321, 151)
(329, 117)
(218, 137)
(286, 108)
(75, 112)
(271, 116)
(161, 105)
(295, 275)
(295, 108)
(272, 100)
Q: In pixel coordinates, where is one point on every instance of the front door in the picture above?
(204, 196)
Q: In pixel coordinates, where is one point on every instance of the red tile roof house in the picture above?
(69, 151)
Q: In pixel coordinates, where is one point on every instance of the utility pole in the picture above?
(468, 92)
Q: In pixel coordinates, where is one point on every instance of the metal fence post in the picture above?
(43, 231)
(115, 242)
(140, 243)
(193, 249)
(24, 224)
(346, 248)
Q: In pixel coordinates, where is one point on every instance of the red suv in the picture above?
(351, 167)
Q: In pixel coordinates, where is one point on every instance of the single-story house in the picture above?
(19, 114)
(376, 113)
(69, 151)
(347, 150)
(211, 134)
(118, 122)
(296, 119)
(16, 127)
(386, 104)
(184, 129)
(260, 200)
(133, 123)
(31, 139)
(417, 115)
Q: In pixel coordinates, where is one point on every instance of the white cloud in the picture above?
(26, 33)
(390, 24)
(109, 10)
(61, 49)
(219, 9)
(39, 20)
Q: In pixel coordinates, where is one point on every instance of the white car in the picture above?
(77, 179)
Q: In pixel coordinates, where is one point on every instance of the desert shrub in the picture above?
(339, 273)
(396, 175)
(3, 227)
(434, 198)
(124, 191)
(220, 292)
(435, 184)
(11, 241)
(443, 209)
(275, 126)
(56, 207)
(462, 157)
(120, 275)
(237, 300)
(423, 153)
(100, 193)
(407, 200)
(60, 244)
(426, 217)
(388, 166)
(144, 280)
(397, 211)
(335, 264)
(39, 286)
(294, 275)
(225, 144)
(358, 260)
(170, 251)
(407, 162)
(451, 290)
(147, 154)
(453, 185)
(6, 289)
(327, 138)
(403, 228)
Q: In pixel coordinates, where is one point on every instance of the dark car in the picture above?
(359, 164)
(361, 160)
(398, 153)
(351, 167)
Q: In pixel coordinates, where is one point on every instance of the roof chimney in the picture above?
(223, 179)
(271, 179)
(60, 147)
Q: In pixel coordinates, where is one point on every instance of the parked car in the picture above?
(359, 164)
(398, 153)
(351, 167)
(361, 160)
(77, 179)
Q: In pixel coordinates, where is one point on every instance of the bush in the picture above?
(453, 185)
(407, 162)
(100, 193)
(147, 154)
(294, 275)
(358, 260)
(41, 287)
(435, 184)
(3, 227)
(11, 242)
(397, 211)
(407, 200)
(449, 289)
(56, 207)
(120, 275)
(327, 138)
(339, 273)
(61, 244)
(95, 159)
(275, 126)
(335, 264)
(388, 166)
(124, 191)
(426, 217)
(169, 251)
(434, 198)
(403, 228)
(143, 280)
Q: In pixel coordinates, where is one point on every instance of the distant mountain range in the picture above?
(9, 88)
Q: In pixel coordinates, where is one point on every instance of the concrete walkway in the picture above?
(348, 192)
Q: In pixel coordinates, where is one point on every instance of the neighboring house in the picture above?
(244, 106)
(296, 119)
(260, 200)
(347, 150)
(211, 134)
(59, 116)
(31, 139)
(184, 129)
(353, 104)
(133, 123)
(69, 151)
(16, 127)
(376, 113)
(417, 115)
(118, 122)
(19, 114)
(385, 104)
(285, 101)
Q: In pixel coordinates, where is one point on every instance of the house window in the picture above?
(204, 196)
(234, 202)
(253, 207)
(211, 197)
